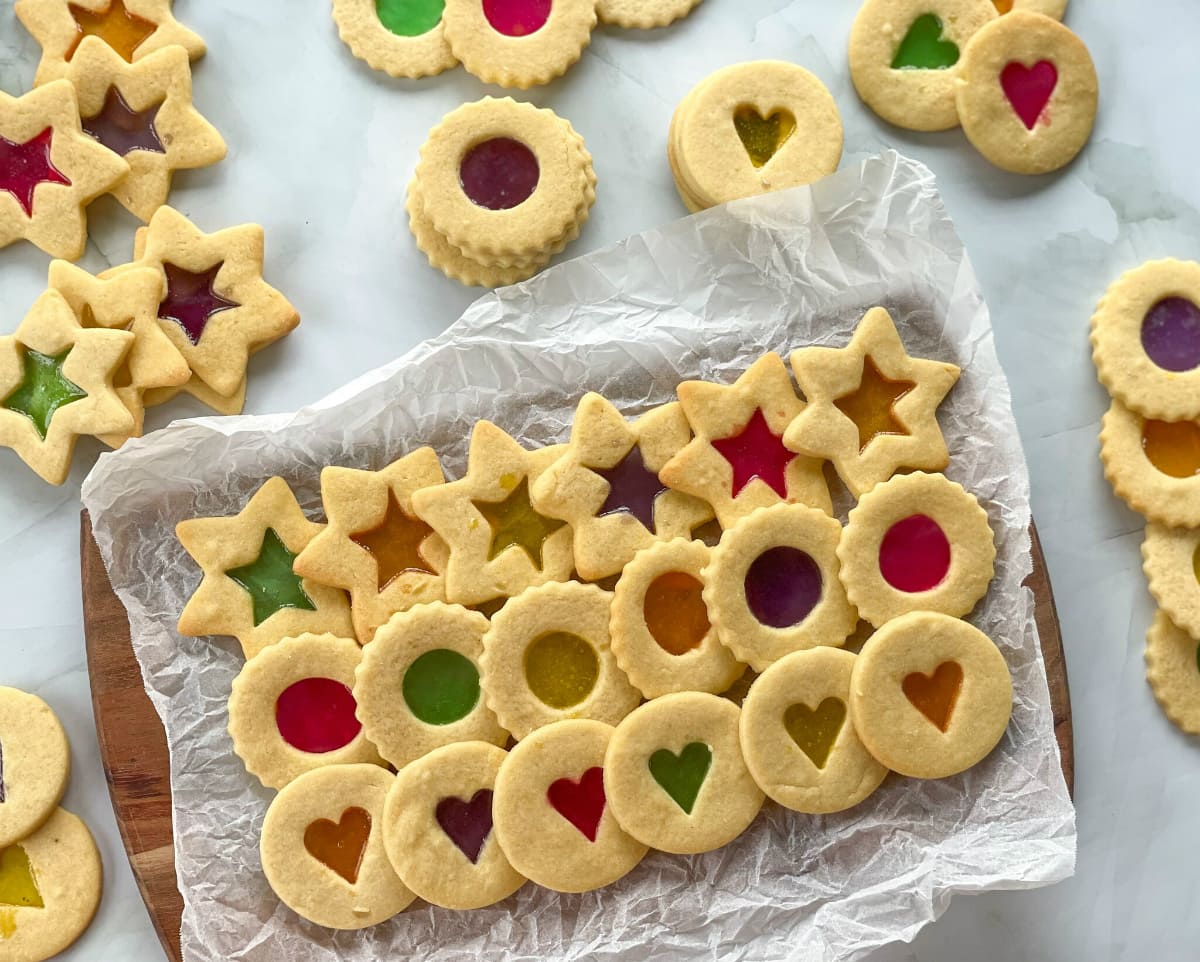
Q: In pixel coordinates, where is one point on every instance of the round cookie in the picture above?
(292, 709)
(930, 695)
(918, 542)
(755, 127)
(1171, 560)
(1049, 8)
(797, 737)
(35, 763)
(662, 636)
(675, 777)
(1027, 93)
(403, 39)
(546, 657)
(437, 828)
(1146, 339)
(323, 852)
(906, 57)
(772, 586)
(1154, 466)
(643, 14)
(552, 816)
(50, 884)
(417, 686)
(1173, 671)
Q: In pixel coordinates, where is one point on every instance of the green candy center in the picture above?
(923, 47)
(43, 390)
(270, 580)
(681, 776)
(441, 686)
(409, 18)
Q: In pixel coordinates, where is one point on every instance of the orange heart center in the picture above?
(340, 845)
(935, 696)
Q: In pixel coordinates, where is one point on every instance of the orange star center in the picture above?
(872, 407)
(116, 26)
(395, 543)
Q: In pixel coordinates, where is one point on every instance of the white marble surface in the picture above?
(320, 150)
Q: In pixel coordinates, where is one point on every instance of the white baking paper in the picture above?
(700, 298)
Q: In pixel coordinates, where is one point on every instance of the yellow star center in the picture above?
(116, 26)
(515, 523)
(872, 406)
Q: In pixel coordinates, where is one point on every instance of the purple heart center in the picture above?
(468, 824)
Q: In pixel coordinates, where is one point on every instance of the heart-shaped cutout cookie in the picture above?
(815, 731)
(17, 885)
(467, 824)
(682, 775)
(763, 136)
(340, 845)
(935, 696)
(1028, 89)
(923, 47)
(581, 803)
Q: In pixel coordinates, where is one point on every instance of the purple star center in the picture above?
(24, 166)
(191, 301)
(632, 487)
(122, 129)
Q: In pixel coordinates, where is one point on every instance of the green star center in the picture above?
(514, 522)
(43, 389)
(270, 580)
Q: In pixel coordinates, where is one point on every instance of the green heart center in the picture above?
(681, 776)
(814, 732)
(923, 47)
(762, 136)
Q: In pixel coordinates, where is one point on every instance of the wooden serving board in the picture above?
(133, 746)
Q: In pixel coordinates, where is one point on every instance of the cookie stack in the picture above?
(1145, 337)
(500, 188)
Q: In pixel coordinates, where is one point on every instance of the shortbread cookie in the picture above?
(233, 404)
(1173, 671)
(547, 657)
(756, 127)
(133, 28)
(399, 37)
(50, 884)
(373, 545)
(437, 826)
(50, 170)
(56, 383)
(772, 586)
(249, 589)
(518, 44)
(737, 461)
(35, 763)
(1152, 465)
(606, 485)
(674, 774)
(662, 636)
(1049, 8)
(323, 850)
(291, 709)
(797, 737)
(499, 543)
(930, 695)
(551, 813)
(1171, 560)
(872, 409)
(418, 684)
(143, 112)
(906, 57)
(918, 542)
(1027, 93)
(643, 14)
(1146, 339)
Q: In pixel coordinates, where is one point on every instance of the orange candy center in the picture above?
(395, 543)
(935, 696)
(1173, 447)
(340, 845)
(116, 26)
(675, 613)
(872, 407)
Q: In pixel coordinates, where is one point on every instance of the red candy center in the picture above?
(23, 166)
(499, 173)
(914, 555)
(581, 803)
(316, 715)
(516, 18)
(1028, 89)
(756, 452)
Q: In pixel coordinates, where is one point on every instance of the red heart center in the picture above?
(1028, 89)
(581, 803)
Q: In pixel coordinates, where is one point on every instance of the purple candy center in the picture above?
(782, 586)
(1171, 334)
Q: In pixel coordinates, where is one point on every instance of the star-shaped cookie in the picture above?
(872, 409)
(56, 383)
(132, 28)
(249, 589)
(737, 461)
(606, 485)
(143, 111)
(499, 542)
(373, 545)
(50, 170)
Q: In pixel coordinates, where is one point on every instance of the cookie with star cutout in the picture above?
(56, 384)
(737, 461)
(872, 409)
(50, 170)
(249, 589)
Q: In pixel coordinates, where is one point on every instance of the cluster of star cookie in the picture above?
(606, 603)
(1020, 83)
(500, 188)
(94, 352)
(1145, 337)
(111, 113)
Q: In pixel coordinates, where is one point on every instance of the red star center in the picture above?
(756, 452)
(24, 166)
(191, 301)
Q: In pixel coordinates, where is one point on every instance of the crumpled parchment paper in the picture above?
(702, 297)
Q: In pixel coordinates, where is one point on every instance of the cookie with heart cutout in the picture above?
(1171, 560)
(1153, 465)
(438, 828)
(751, 128)
(35, 763)
(1173, 671)
(906, 57)
(1027, 93)
(930, 695)
(551, 811)
(797, 737)
(643, 14)
(675, 777)
(323, 851)
(400, 38)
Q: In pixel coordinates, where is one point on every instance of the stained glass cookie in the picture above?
(643, 14)
(1152, 465)
(438, 828)
(401, 38)
(930, 695)
(797, 737)
(1050, 8)
(919, 542)
(551, 813)
(35, 763)
(323, 851)
(1171, 560)
(674, 774)
(1173, 671)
